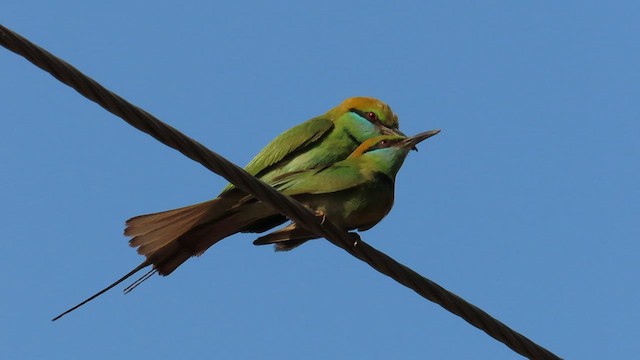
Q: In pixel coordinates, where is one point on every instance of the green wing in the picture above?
(286, 143)
(324, 180)
(289, 141)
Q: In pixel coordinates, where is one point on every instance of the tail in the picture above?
(170, 238)
(160, 236)
(138, 268)
(287, 238)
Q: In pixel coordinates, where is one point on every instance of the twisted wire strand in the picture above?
(351, 243)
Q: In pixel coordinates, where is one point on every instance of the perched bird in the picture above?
(169, 238)
(325, 139)
(355, 193)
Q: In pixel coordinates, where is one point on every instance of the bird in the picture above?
(169, 238)
(354, 194)
(166, 238)
(324, 139)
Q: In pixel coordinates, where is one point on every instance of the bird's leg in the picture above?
(320, 213)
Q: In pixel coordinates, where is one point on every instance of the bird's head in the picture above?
(365, 117)
(388, 152)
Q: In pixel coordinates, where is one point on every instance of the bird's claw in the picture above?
(320, 213)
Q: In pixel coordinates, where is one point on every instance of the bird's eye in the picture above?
(381, 144)
(371, 116)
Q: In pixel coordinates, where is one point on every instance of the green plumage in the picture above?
(355, 193)
(169, 238)
(325, 139)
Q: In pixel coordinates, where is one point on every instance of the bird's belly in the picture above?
(365, 215)
(359, 208)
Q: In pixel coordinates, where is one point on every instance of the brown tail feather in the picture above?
(143, 224)
(197, 240)
(170, 238)
(158, 232)
(287, 238)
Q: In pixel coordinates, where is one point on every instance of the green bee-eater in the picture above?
(164, 237)
(325, 139)
(355, 193)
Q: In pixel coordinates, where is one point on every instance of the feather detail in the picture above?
(287, 238)
(170, 238)
(144, 224)
(158, 236)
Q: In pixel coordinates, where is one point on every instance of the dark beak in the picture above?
(388, 131)
(411, 142)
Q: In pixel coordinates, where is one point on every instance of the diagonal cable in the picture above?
(351, 243)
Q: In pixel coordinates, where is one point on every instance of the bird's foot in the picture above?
(320, 213)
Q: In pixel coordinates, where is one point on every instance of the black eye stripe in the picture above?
(386, 143)
(364, 115)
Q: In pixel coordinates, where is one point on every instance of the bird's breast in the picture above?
(360, 207)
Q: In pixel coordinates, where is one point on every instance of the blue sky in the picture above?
(526, 204)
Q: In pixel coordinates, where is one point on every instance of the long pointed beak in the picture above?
(412, 141)
(388, 131)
